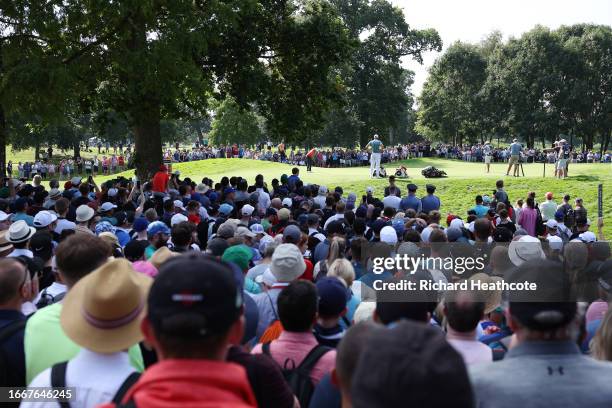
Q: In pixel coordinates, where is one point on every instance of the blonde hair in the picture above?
(337, 248)
(342, 268)
(364, 312)
(601, 345)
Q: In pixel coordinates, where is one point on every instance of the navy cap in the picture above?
(333, 296)
(412, 187)
(194, 296)
(378, 225)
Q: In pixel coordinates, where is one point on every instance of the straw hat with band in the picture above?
(491, 298)
(5, 245)
(19, 232)
(103, 311)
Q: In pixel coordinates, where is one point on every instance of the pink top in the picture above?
(472, 351)
(295, 346)
(527, 220)
(145, 267)
(596, 311)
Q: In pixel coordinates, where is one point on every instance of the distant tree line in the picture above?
(537, 87)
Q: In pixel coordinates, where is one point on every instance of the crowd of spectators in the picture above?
(177, 292)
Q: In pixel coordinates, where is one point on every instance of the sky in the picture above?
(472, 20)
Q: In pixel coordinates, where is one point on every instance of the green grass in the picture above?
(457, 191)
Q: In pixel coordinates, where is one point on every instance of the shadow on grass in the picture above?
(584, 177)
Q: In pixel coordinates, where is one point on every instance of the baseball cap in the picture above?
(44, 218)
(75, 181)
(194, 296)
(140, 224)
(287, 202)
(225, 209)
(369, 190)
(283, 214)
(3, 216)
(179, 204)
(333, 296)
(157, 227)
(216, 246)
(112, 192)
(107, 206)
(257, 229)
(244, 232)
(453, 234)
(555, 242)
(41, 245)
(587, 237)
(551, 224)
(241, 255)
(226, 230)
(247, 209)
(388, 235)
(228, 190)
(292, 234)
(547, 307)
(500, 234)
(177, 219)
(322, 190)
(412, 187)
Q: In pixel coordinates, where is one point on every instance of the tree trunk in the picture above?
(147, 143)
(37, 152)
(605, 142)
(77, 150)
(3, 140)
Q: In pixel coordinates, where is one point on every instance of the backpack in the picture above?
(58, 380)
(46, 299)
(5, 369)
(298, 377)
(570, 218)
(539, 223)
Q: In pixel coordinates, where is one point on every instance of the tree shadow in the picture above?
(584, 177)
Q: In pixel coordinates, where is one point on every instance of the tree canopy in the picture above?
(538, 86)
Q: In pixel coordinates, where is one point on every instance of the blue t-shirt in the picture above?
(515, 149)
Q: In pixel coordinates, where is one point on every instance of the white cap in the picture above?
(3, 216)
(287, 202)
(552, 224)
(555, 242)
(369, 189)
(107, 206)
(388, 235)
(456, 223)
(587, 237)
(322, 190)
(179, 204)
(44, 219)
(247, 209)
(112, 192)
(177, 219)
(257, 228)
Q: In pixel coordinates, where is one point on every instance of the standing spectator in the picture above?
(545, 350)
(411, 201)
(527, 219)
(102, 314)
(76, 257)
(463, 313)
(333, 296)
(15, 288)
(430, 202)
(193, 315)
(548, 208)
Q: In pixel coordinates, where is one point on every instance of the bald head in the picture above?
(12, 277)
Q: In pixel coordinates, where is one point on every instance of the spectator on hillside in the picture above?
(411, 201)
(430, 202)
(528, 217)
(548, 208)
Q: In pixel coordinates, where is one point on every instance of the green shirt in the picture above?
(375, 145)
(149, 251)
(45, 343)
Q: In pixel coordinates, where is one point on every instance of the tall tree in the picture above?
(233, 124)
